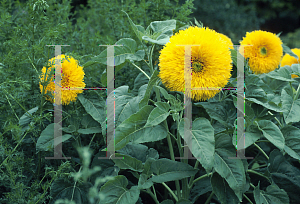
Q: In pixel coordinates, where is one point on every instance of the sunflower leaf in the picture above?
(133, 129)
(290, 106)
(271, 132)
(202, 141)
(46, 139)
(121, 53)
(287, 50)
(272, 195)
(115, 191)
(292, 141)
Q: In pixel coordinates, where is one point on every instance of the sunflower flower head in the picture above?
(71, 77)
(264, 51)
(227, 40)
(289, 60)
(210, 62)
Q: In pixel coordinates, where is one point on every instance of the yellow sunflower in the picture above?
(227, 40)
(265, 53)
(71, 77)
(211, 62)
(289, 60)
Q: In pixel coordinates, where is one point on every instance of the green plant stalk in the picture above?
(172, 193)
(140, 70)
(297, 93)
(11, 107)
(248, 199)
(275, 118)
(262, 151)
(254, 172)
(152, 195)
(173, 158)
(193, 177)
(185, 189)
(199, 178)
(209, 198)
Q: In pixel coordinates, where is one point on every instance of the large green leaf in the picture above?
(115, 192)
(133, 129)
(292, 141)
(232, 170)
(281, 74)
(200, 188)
(285, 175)
(151, 83)
(203, 141)
(290, 106)
(121, 53)
(139, 81)
(223, 112)
(139, 151)
(144, 182)
(162, 31)
(138, 30)
(222, 190)
(46, 139)
(74, 191)
(252, 134)
(26, 118)
(272, 195)
(167, 170)
(126, 103)
(96, 109)
(156, 117)
(271, 132)
(91, 130)
(287, 50)
(128, 162)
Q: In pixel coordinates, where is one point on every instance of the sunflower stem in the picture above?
(275, 118)
(172, 157)
(140, 70)
(262, 151)
(297, 93)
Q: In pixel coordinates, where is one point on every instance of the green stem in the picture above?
(150, 59)
(275, 118)
(260, 167)
(252, 185)
(262, 151)
(173, 158)
(199, 178)
(209, 198)
(262, 141)
(254, 172)
(140, 70)
(297, 93)
(152, 195)
(170, 191)
(193, 177)
(248, 199)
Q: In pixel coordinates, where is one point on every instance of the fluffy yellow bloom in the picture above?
(265, 53)
(227, 40)
(211, 62)
(289, 60)
(71, 77)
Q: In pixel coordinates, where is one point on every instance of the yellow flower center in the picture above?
(263, 51)
(197, 66)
